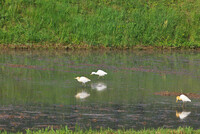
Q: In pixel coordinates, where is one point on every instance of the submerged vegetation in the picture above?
(107, 23)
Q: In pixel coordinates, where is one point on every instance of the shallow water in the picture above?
(38, 89)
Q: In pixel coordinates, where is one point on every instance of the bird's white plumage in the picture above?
(99, 73)
(182, 115)
(184, 98)
(82, 95)
(82, 79)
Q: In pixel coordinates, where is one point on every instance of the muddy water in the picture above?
(37, 89)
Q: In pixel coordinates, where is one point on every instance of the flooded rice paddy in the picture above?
(37, 89)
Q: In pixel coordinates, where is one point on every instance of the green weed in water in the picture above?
(65, 130)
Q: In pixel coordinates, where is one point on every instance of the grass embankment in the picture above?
(107, 23)
(65, 130)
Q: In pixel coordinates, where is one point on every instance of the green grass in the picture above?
(110, 23)
(65, 130)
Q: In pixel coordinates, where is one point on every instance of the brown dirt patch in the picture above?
(45, 46)
(166, 93)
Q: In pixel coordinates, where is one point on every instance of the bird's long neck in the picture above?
(94, 73)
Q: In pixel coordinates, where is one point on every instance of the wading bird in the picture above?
(100, 73)
(183, 98)
(82, 95)
(82, 79)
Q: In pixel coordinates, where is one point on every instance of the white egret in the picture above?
(82, 95)
(182, 115)
(183, 98)
(82, 79)
(100, 73)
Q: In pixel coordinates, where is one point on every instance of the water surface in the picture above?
(38, 89)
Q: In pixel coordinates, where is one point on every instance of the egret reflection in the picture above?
(182, 115)
(100, 86)
(82, 95)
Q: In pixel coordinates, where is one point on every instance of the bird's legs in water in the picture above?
(83, 84)
(183, 105)
(100, 76)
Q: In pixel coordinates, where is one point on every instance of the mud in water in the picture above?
(166, 93)
(37, 89)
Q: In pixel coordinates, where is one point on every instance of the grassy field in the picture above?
(110, 131)
(107, 23)
(65, 130)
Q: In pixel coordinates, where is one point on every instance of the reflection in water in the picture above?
(182, 115)
(95, 116)
(100, 86)
(82, 95)
(37, 89)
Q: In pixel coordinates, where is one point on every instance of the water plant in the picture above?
(66, 130)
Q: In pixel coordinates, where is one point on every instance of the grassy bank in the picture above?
(108, 23)
(65, 130)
